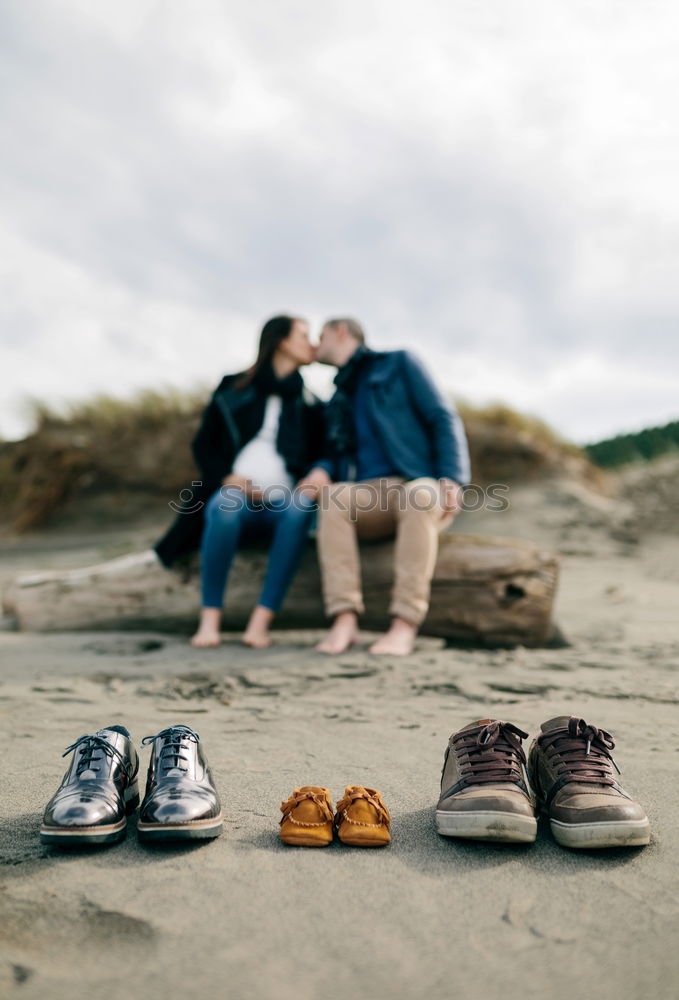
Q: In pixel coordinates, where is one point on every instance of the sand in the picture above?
(247, 917)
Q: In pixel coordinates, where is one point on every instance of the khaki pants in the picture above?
(380, 508)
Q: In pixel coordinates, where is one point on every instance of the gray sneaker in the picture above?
(485, 793)
(572, 772)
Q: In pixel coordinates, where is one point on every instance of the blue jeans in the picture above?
(231, 520)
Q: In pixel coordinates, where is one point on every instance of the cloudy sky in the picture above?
(492, 185)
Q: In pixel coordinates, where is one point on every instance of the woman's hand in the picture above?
(313, 483)
(238, 483)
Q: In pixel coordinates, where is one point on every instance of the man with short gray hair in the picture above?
(398, 459)
(352, 326)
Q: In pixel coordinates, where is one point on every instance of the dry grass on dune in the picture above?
(103, 445)
(113, 447)
(511, 447)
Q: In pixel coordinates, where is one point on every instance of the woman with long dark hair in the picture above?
(260, 435)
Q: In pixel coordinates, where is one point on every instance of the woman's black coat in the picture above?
(231, 419)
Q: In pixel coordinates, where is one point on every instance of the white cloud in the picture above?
(492, 185)
(584, 391)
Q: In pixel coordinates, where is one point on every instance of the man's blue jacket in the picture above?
(422, 434)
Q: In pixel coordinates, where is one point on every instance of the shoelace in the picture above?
(370, 795)
(581, 753)
(90, 746)
(299, 796)
(175, 741)
(491, 752)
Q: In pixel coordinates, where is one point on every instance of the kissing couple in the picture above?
(387, 456)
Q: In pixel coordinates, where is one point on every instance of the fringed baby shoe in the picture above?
(362, 819)
(307, 817)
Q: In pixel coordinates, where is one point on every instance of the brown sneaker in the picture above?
(485, 793)
(571, 771)
(362, 819)
(307, 817)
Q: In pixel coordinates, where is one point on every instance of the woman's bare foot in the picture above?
(208, 628)
(398, 641)
(342, 634)
(257, 632)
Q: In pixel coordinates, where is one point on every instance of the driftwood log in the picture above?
(485, 591)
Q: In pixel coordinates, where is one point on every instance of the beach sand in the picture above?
(249, 918)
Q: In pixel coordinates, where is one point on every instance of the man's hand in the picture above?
(451, 497)
(313, 483)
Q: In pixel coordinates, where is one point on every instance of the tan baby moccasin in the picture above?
(362, 819)
(307, 817)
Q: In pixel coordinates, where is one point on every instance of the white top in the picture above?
(260, 460)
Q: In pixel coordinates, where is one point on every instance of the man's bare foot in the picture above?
(398, 641)
(257, 632)
(208, 628)
(342, 634)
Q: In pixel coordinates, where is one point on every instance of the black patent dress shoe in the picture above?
(97, 793)
(181, 801)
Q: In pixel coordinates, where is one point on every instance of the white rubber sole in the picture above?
(624, 833)
(491, 826)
